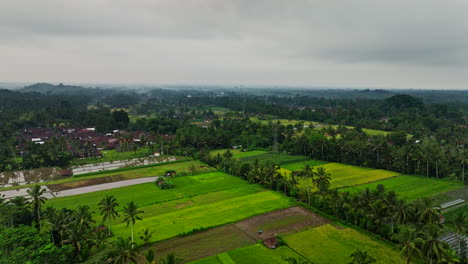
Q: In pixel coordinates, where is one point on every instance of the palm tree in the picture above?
(460, 228)
(432, 247)
(450, 257)
(83, 217)
(401, 212)
(308, 174)
(37, 199)
(108, 206)
(149, 256)
(124, 252)
(146, 236)
(428, 211)
(322, 179)
(171, 258)
(361, 257)
(410, 242)
(132, 213)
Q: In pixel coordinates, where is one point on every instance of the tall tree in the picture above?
(107, 207)
(132, 213)
(361, 257)
(124, 252)
(171, 258)
(37, 199)
(410, 242)
(322, 179)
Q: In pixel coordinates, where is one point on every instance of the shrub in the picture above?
(164, 183)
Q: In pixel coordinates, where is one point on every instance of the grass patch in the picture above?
(327, 244)
(412, 187)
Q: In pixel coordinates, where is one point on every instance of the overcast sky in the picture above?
(357, 43)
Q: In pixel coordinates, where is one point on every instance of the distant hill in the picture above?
(47, 88)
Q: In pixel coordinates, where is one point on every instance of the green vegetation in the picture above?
(114, 155)
(411, 187)
(257, 253)
(208, 215)
(277, 158)
(199, 201)
(300, 165)
(328, 244)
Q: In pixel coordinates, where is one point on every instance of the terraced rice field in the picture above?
(200, 201)
(329, 244)
(412, 187)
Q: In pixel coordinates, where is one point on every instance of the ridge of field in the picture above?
(343, 175)
(328, 244)
(207, 215)
(127, 174)
(411, 187)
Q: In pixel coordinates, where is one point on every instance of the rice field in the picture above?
(257, 253)
(200, 201)
(277, 158)
(301, 165)
(329, 244)
(412, 187)
(342, 175)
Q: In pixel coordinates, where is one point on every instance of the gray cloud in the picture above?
(418, 43)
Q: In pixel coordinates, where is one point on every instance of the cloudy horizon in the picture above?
(363, 43)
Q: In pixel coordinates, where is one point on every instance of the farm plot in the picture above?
(343, 175)
(278, 158)
(252, 254)
(237, 153)
(240, 234)
(148, 193)
(207, 215)
(328, 244)
(301, 165)
(412, 187)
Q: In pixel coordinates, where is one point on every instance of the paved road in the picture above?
(87, 189)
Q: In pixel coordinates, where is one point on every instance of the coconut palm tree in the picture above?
(409, 240)
(361, 257)
(149, 256)
(124, 252)
(322, 179)
(83, 217)
(171, 258)
(37, 199)
(132, 213)
(308, 174)
(428, 211)
(460, 228)
(432, 247)
(107, 207)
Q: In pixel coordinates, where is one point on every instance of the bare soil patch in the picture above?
(88, 182)
(285, 221)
